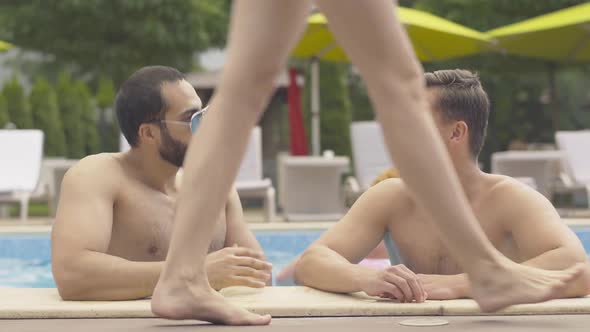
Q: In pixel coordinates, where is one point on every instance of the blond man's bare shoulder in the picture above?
(512, 194)
(395, 191)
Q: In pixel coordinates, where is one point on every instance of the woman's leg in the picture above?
(374, 39)
(262, 32)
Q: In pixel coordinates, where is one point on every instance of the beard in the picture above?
(171, 150)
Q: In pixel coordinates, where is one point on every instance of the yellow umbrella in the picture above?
(562, 36)
(434, 38)
(4, 46)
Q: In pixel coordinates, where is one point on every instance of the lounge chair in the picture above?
(370, 157)
(574, 146)
(250, 182)
(22, 154)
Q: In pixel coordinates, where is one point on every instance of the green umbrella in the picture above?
(433, 38)
(562, 36)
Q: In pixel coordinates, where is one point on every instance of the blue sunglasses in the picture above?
(194, 121)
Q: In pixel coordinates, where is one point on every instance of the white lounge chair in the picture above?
(310, 187)
(369, 153)
(123, 144)
(48, 189)
(539, 169)
(22, 154)
(250, 182)
(574, 146)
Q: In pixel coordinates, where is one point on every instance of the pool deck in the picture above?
(293, 308)
(570, 323)
(296, 301)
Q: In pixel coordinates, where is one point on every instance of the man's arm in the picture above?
(252, 270)
(242, 261)
(542, 239)
(331, 262)
(237, 228)
(80, 238)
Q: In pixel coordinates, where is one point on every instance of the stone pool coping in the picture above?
(297, 301)
(16, 303)
(282, 226)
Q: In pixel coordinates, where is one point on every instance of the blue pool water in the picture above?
(25, 259)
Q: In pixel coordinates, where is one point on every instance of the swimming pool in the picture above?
(25, 259)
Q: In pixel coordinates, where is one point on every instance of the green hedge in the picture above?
(71, 114)
(109, 128)
(75, 122)
(46, 117)
(89, 118)
(17, 105)
(3, 112)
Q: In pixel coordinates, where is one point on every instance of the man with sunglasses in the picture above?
(114, 219)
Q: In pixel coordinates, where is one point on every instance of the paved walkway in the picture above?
(570, 323)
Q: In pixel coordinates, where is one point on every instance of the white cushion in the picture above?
(575, 146)
(21, 152)
(123, 144)
(369, 152)
(251, 166)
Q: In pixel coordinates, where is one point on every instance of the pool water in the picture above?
(25, 259)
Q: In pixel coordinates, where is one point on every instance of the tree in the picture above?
(362, 109)
(518, 87)
(46, 117)
(335, 108)
(71, 114)
(114, 38)
(17, 104)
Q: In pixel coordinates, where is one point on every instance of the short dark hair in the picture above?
(140, 100)
(461, 97)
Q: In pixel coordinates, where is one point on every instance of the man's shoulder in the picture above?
(99, 170)
(509, 192)
(98, 163)
(500, 185)
(393, 188)
(391, 185)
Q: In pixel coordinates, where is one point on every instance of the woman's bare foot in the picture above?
(200, 302)
(498, 287)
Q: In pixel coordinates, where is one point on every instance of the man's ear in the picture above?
(148, 133)
(460, 131)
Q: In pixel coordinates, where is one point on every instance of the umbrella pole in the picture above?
(315, 106)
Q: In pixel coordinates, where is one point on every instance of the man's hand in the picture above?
(396, 282)
(445, 287)
(237, 266)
